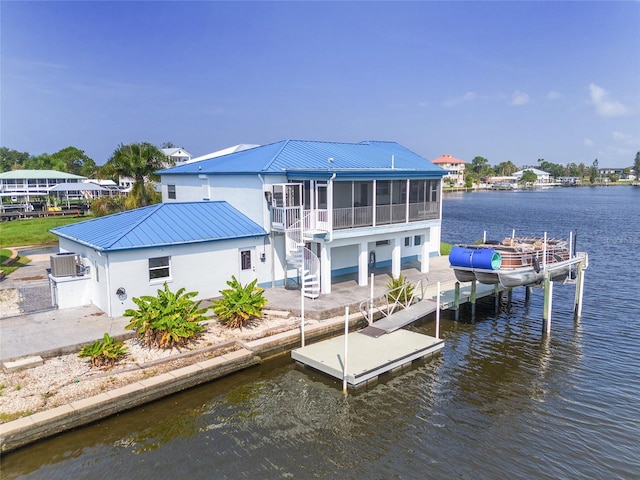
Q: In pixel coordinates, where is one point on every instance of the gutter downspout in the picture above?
(271, 240)
(108, 274)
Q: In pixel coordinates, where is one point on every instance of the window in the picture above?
(171, 191)
(245, 259)
(382, 243)
(407, 241)
(159, 268)
(417, 240)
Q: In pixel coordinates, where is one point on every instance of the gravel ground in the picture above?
(68, 378)
(9, 302)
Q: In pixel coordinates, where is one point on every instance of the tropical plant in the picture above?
(167, 320)
(107, 206)
(139, 161)
(105, 352)
(400, 290)
(239, 304)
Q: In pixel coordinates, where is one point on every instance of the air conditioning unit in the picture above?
(64, 264)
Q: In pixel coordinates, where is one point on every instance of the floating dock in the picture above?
(369, 357)
(383, 346)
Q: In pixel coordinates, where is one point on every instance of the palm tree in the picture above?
(138, 161)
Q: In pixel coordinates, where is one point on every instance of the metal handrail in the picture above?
(388, 302)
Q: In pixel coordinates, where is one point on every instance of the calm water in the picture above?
(501, 401)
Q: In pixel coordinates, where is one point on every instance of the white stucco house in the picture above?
(454, 166)
(291, 212)
(543, 177)
(175, 156)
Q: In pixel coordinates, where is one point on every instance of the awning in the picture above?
(77, 187)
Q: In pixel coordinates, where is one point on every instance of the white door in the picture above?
(247, 266)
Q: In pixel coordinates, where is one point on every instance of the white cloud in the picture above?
(519, 98)
(553, 95)
(467, 97)
(623, 137)
(604, 106)
(587, 142)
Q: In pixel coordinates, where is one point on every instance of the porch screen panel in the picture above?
(343, 204)
(383, 202)
(362, 204)
(398, 201)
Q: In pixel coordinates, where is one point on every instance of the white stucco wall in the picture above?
(243, 192)
(203, 268)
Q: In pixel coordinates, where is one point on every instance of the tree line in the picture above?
(480, 169)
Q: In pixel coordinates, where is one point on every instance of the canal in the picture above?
(500, 401)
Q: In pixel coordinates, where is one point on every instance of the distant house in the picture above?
(26, 190)
(34, 182)
(543, 177)
(622, 173)
(291, 212)
(176, 156)
(454, 167)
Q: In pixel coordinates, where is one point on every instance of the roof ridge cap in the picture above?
(273, 159)
(154, 208)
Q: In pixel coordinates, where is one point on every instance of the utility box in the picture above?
(65, 264)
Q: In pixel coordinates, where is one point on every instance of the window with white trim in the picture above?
(159, 268)
(417, 240)
(171, 192)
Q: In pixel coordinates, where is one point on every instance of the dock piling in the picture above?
(456, 301)
(438, 311)
(473, 300)
(346, 345)
(579, 291)
(548, 301)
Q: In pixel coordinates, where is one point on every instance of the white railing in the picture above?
(353, 217)
(400, 297)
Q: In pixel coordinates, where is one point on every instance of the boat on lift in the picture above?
(516, 261)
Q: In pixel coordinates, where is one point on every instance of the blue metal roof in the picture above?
(161, 225)
(371, 158)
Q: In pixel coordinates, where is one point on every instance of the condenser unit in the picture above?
(64, 264)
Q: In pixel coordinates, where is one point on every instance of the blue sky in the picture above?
(512, 81)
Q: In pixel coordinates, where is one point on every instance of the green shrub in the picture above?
(105, 352)
(167, 320)
(398, 294)
(445, 249)
(107, 206)
(239, 305)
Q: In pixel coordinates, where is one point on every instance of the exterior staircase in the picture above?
(303, 260)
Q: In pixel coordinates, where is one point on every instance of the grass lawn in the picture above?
(33, 231)
(445, 249)
(7, 269)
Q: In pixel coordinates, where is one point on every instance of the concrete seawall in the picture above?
(26, 430)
